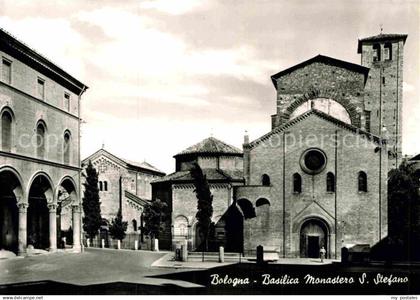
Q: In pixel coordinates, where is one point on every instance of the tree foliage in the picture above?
(204, 203)
(91, 206)
(154, 216)
(118, 227)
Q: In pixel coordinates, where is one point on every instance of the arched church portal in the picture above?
(313, 235)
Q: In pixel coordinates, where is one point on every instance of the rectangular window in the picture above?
(383, 80)
(67, 101)
(6, 74)
(41, 88)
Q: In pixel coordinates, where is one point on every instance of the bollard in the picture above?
(103, 243)
(136, 245)
(221, 254)
(260, 255)
(156, 245)
(87, 243)
(119, 245)
(185, 251)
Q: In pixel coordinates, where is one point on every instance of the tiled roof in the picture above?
(144, 165)
(210, 145)
(211, 175)
(136, 199)
(324, 116)
(322, 59)
(381, 37)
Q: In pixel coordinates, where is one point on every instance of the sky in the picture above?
(165, 74)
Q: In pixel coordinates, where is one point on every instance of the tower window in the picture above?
(388, 51)
(41, 88)
(362, 181)
(134, 225)
(383, 80)
(376, 52)
(297, 183)
(367, 120)
(6, 71)
(330, 182)
(100, 186)
(265, 180)
(105, 186)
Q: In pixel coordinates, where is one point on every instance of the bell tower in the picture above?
(383, 54)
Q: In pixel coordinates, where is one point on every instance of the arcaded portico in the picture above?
(40, 151)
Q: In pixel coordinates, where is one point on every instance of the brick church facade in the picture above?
(319, 178)
(125, 185)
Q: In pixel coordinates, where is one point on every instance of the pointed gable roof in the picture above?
(211, 146)
(323, 116)
(144, 166)
(325, 60)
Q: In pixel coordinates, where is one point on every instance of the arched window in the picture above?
(134, 225)
(40, 139)
(100, 186)
(66, 146)
(6, 131)
(105, 185)
(362, 181)
(330, 182)
(181, 226)
(388, 51)
(265, 180)
(297, 183)
(376, 52)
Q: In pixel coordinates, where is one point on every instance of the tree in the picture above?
(154, 216)
(118, 227)
(91, 206)
(204, 203)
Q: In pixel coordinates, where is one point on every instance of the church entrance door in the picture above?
(313, 236)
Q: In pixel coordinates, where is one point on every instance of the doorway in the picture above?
(313, 236)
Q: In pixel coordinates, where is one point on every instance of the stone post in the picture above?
(185, 251)
(53, 226)
(136, 245)
(76, 228)
(119, 245)
(221, 254)
(260, 255)
(22, 235)
(103, 243)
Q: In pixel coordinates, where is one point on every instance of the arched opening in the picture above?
(313, 236)
(10, 189)
(326, 105)
(40, 139)
(261, 202)
(40, 193)
(105, 186)
(388, 51)
(265, 180)
(247, 208)
(100, 186)
(66, 148)
(6, 131)
(65, 198)
(330, 182)
(376, 52)
(134, 222)
(181, 227)
(362, 181)
(297, 183)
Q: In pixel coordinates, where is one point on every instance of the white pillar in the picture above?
(102, 243)
(136, 245)
(53, 226)
(76, 228)
(119, 245)
(22, 234)
(221, 254)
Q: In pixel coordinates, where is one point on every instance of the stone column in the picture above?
(53, 226)
(76, 228)
(22, 235)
